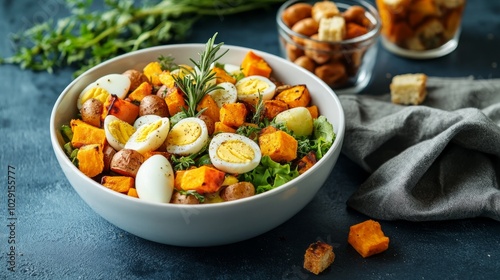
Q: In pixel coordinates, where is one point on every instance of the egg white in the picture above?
(150, 136)
(155, 180)
(260, 85)
(179, 130)
(115, 84)
(145, 120)
(117, 132)
(245, 165)
(226, 94)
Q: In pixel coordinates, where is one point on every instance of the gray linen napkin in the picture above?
(436, 161)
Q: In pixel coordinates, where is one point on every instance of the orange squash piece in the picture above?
(120, 108)
(221, 76)
(314, 111)
(253, 64)
(90, 160)
(233, 114)
(367, 238)
(211, 109)
(144, 89)
(295, 96)
(121, 184)
(175, 100)
(306, 162)
(273, 107)
(204, 179)
(132, 192)
(221, 127)
(85, 134)
(153, 70)
(279, 146)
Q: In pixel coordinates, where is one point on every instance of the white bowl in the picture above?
(206, 224)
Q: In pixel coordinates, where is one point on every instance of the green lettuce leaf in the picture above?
(269, 175)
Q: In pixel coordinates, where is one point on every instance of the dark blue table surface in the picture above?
(57, 236)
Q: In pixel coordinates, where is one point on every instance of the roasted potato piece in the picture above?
(136, 78)
(108, 152)
(153, 105)
(91, 112)
(237, 191)
(178, 198)
(126, 162)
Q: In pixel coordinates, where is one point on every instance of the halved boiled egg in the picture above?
(150, 136)
(233, 70)
(224, 95)
(155, 180)
(188, 136)
(117, 132)
(116, 84)
(145, 120)
(250, 87)
(234, 153)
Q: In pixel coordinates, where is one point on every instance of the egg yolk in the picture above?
(147, 129)
(251, 86)
(121, 130)
(184, 134)
(96, 93)
(235, 152)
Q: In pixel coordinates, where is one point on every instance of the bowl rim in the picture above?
(56, 145)
(371, 34)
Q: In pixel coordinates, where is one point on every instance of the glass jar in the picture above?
(420, 29)
(345, 64)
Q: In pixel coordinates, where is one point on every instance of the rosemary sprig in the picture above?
(86, 38)
(199, 80)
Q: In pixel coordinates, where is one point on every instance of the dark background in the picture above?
(59, 237)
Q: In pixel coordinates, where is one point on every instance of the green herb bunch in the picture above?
(86, 38)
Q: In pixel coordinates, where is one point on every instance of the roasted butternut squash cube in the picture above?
(153, 70)
(233, 114)
(314, 111)
(120, 108)
(274, 107)
(367, 238)
(204, 179)
(210, 107)
(175, 100)
(306, 162)
(144, 89)
(295, 96)
(254, 64)
(166, 79)
(279, 146)
(132, 192)
(220, 127)
(90, 160)
(121, 184)
(85, 134)
(221, 76)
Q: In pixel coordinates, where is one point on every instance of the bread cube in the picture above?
(318, 257)
(367, 238)
(408, 89)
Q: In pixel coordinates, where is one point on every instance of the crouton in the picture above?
(408, 89)
(318, 257)
(332, 29)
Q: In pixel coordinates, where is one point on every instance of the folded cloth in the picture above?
(436, 161)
